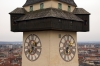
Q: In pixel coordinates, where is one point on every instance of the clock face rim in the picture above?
(29, 41)
(63, 50)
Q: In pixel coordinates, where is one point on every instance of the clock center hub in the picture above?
(33, 46)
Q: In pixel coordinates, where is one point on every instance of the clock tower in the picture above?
(49, 31)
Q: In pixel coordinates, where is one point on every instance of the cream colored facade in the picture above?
(50, 49)
(49, 4)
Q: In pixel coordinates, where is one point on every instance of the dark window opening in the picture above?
(71, 23)
(85, 22)
(59, 6)
(69, 8)
(41, 6)
(31, 8)
(15, 22)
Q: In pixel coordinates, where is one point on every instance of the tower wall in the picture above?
(50, 49)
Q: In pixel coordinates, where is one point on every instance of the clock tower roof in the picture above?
(49, 12)
(30, 2)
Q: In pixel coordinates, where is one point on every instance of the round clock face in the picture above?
(67, 48)
(32, 47)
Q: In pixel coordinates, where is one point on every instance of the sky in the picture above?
(92, 6)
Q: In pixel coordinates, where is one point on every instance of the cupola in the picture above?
(32, 5)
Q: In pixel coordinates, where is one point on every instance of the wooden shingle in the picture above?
(18, 11)
(70, 2)
(80, 11)
(30, 2)
(50, 12)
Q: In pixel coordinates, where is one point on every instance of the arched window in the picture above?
(41, 6)
(59, 6)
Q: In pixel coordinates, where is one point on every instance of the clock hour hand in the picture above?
(30, 50)
(67, 50)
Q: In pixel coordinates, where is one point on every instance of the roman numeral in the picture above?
(62, 42)
(61, 48)
(68, 57)
(65, 57)
(28, 56)
(32, 37)
(62, 53)
(38, 47)
(73, 52)
(31, 58)
(26, 47)
(38, 42)
(26, 52)
(37, 52)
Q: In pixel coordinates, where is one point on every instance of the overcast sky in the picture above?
(92, 6)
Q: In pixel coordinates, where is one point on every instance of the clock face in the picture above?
(32, 47)
(67, 48)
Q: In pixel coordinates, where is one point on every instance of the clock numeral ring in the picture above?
(32, 47)
(67, 48)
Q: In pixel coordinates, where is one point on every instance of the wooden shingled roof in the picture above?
(30, 2)
(50, 12)
(18, 11)
(70, 2)
(80, 11)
